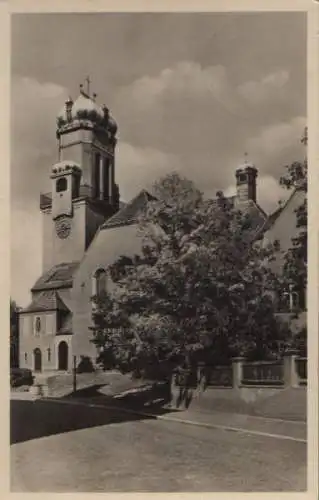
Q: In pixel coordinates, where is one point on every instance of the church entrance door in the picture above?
(37, 360)
(63, 356)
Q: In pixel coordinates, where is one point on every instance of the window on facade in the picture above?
(49, 354)
(106, 166)
(76, 187)
(96, 176)
(37, 325)
(99, 282)
(61, 185)
(242, 178)
(25, 357)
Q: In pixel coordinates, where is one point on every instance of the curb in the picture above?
(178, 420)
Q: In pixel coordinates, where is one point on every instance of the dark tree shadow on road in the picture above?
(36, 419)
(45, 417)
(153, 398)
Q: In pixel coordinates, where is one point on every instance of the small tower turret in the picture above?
(246, 176)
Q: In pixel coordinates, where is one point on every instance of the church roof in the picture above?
(129, 213)
(59, 276)
(258, 218)
(47, 301)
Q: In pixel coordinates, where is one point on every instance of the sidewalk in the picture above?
(283, 429)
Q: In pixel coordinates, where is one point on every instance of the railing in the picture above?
(45, 200)
(263, 373)
(219, 376)
(83, 191)
(302, 370)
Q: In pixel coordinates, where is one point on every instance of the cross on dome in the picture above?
(88, 81)
(86, 91)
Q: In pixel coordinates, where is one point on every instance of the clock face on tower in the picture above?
(63, 227)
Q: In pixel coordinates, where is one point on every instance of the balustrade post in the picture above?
(237, 365)
(291, 378)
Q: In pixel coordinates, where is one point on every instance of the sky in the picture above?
(190, 92)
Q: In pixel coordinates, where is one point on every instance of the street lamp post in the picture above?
(74, 373)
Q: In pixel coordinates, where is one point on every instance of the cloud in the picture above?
(200, 116)
(277, 145)
(186, 77)
(33, 119)
(265, 88)
(33, 150)
(26, 251)
(140, 167)
(277, 137)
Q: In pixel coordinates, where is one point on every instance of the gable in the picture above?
(282, 225)
(130, 212)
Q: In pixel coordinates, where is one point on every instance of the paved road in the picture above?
(65, 448)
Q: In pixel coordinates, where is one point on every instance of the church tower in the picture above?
(83, 189)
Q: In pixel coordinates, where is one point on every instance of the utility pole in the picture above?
(74, 373)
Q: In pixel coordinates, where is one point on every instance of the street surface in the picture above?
(66, 448)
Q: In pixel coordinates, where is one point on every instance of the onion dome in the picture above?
(85, 108)
(112, 125)
(66, 166)
(65, 115)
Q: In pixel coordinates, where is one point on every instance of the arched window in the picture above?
(37, 325)
(96, 176)
(99, 282)
(49, 354)
(61, 185)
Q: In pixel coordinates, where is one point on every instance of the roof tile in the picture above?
(130, 212)
(47, 301)
(59, 276)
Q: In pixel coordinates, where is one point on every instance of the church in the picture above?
(86, 228)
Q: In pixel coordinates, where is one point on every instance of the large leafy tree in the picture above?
(295, 265)
(199, 288)
(295, 269)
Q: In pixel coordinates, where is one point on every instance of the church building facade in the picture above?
(86, 228)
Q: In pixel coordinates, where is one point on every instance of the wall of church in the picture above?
(70, 249)
(42, 338)
(93, 221)
(46, 240)
(106, 248)
(72, 145)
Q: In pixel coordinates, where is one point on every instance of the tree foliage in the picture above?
(200, 288)
(295, 266)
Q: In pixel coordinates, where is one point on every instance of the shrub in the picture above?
(85, 365)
